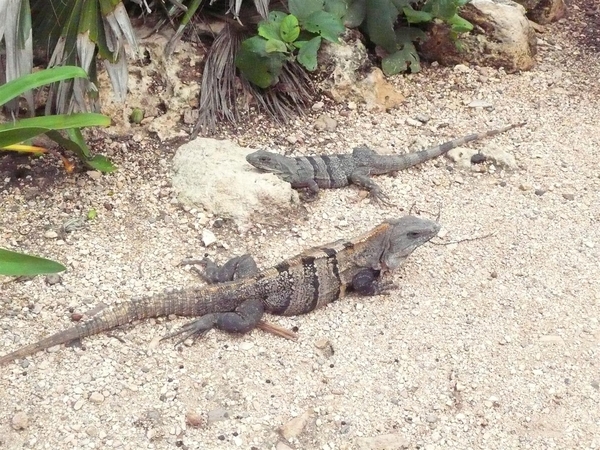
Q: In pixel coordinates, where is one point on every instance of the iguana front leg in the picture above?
(310, 188)
(368, 282)
(360, 177)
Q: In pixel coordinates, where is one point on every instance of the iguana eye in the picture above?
(413, 234)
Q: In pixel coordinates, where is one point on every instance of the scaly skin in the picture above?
(295, 286)
(335, 171)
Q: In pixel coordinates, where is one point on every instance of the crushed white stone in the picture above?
(491, 342)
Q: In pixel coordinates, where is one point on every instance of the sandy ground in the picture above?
(491, 343)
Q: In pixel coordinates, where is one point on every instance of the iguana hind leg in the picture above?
(236, 268)
(361, 178)
(245, 318)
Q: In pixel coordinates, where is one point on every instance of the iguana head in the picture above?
(403, 237)
(273, 163)
(388, 245)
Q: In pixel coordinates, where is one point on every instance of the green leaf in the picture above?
(381, 17)
(356, 13)
(413, 16)
(255, 45)
(460, 25)
(275, 45)
(307, 56)
(92, 214)
(290, 30)
(441, 9)
(269, 29)
(304, 8)
(101, 163)
(10, 137)
(262, 69)
(400, 4)
(337, 8)
(402, 60)
(74, 142)
(19, 264)
(324, 24)
(16, 87)
(60, 122)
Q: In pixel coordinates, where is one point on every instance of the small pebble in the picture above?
(50, 234)
(413, 122)
(52, 279)
(432, 418)
(525, 187)
(208, 237)
(295, 426)
(195, 420)
(217, 415)
(94, 174)
(96, 397)
(246, 345)
(20, 421)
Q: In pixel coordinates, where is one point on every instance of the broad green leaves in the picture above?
(288, 37)
(393, 26)
(12, 133)
(324, 24)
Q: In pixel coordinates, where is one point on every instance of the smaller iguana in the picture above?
(243, 294)
(335, 171)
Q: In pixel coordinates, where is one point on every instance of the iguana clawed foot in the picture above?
(378, 196)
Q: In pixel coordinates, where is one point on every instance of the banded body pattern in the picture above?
(305, 282)
(327, 171)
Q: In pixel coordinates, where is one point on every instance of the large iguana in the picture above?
(295, 286)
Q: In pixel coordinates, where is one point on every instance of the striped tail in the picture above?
(398, 163)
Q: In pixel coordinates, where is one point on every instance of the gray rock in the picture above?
(347, 62)
(462, 156)
(477, 103)
(208, 237)
(20, 421)
(324, 122)
(499, 156)
(502, 37)
(214, 174)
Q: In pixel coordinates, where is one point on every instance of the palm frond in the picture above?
(219, 93)
(72, 32)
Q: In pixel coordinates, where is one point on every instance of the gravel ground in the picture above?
(489, 343)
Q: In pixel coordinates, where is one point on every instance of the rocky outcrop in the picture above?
(502, 37)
